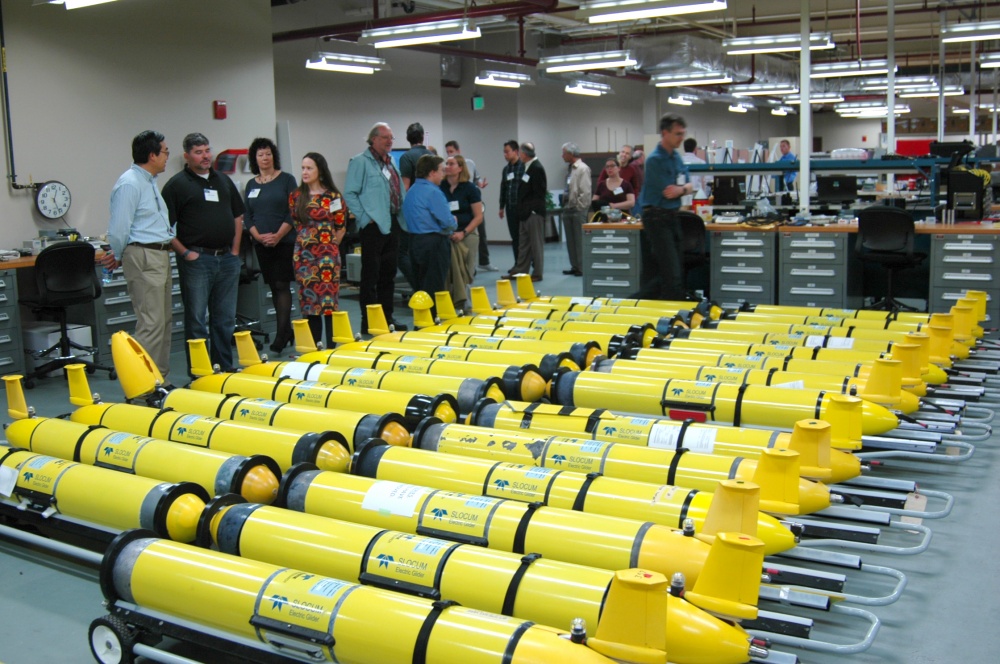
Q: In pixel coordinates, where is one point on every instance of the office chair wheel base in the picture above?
(112, 375)
(29, 384)
(91, 369)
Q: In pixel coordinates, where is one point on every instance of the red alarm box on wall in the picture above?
(219, 110)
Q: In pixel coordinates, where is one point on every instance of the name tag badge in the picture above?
(385, 173)
(453, 206)
(254, 194)
(568, 181)
(681, 180)
(212, 195)
(618, 191)
(336, 205)
(510, 176)
(525, 177)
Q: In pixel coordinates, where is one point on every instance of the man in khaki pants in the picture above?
(139, 233)
(576, 204)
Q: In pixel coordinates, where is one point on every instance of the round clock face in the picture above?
(53, 199)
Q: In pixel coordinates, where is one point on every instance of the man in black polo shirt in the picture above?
(207, 211)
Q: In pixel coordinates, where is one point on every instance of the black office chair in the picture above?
(695, 245)
(65, 275)
(885, 237)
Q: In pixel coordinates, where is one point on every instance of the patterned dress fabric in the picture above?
(317, 258)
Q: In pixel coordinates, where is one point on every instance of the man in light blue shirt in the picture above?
(140, 233)
(431, 223)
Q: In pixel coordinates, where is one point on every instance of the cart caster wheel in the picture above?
(112, 375)
(111, 640)
(91, 370)
(29, 384)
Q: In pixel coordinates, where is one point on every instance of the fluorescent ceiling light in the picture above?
(763, 89)
(782, 111)
(818, 41)
(958, 110)
(680, 100)
(584, 61)
(741, 107)
(989, 60)
(851, 68)
(868, 109)
(902, 82)
(966, 32)
(932, 91)
(342, 62)
(608, 11)
(77, 4)
(420, 33)
(815, 98)
(588, 88)
(503, 79)
(678, 79)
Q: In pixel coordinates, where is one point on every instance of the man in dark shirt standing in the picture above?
(531, 191)
(206, 210)
(509, 180)
(408, 161)
(661, 240)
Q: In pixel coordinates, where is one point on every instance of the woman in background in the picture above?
(614, 191)
(319, 214)
(466, 204)
(270, 225)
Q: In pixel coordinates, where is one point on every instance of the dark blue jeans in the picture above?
(209, 286)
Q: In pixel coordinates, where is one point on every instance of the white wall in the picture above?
(712, 121)
(838, 132)
(331, 113)
(82, 83)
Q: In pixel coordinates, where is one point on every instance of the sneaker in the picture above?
(489, 268)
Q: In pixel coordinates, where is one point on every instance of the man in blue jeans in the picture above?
(206, 210)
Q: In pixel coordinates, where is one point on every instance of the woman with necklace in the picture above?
(268, 221)
(465, 202)
(614, 192)
(319, 213)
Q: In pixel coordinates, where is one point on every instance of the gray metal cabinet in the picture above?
(819, 269)
(11, 351)
(113, 312)
(961, 262)
(611, 261)
(743, 267)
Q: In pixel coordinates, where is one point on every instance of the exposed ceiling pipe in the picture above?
(520, 36)
(354, 29)
(857, 26)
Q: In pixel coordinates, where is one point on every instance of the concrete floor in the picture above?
(946, 614)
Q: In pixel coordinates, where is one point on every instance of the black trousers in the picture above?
(379, 256)
(662, 245)
(431, 256)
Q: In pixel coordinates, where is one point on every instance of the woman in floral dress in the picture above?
(319, 214)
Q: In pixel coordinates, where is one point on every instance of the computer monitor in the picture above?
(836, 189)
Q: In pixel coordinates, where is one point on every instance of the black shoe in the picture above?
(577, 273)
(278, 346)
(569, 271)
(398, 327)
